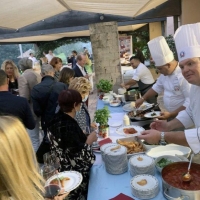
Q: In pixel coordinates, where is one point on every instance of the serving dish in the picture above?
(166, 157)
(115, 103)
(170, 149)
(153, 114)
(174, 187)
(138, 148)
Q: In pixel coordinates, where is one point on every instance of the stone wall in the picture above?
(105, 48)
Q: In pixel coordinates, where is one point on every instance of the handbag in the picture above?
(45, 145)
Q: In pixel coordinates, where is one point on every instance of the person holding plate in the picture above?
(187, 40)
(171, 81)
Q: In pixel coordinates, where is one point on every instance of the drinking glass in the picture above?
(86, 130)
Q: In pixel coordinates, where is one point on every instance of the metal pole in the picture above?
(20, 49)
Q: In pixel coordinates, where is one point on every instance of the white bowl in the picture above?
(168, 157)
(115, 104)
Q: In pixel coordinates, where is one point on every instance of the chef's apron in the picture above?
(144, 88)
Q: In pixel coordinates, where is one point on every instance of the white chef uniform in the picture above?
(143, 74)
(176, 89)
(187, 40)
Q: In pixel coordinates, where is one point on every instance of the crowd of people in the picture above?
(50, 102)
(57, 100)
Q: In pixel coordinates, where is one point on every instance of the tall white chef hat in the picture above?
(160, 52)
(187, 40)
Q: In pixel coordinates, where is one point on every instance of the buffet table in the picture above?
(105, 186)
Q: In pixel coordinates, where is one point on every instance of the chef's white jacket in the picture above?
(190, 117)
(176, 90)
(143, 74)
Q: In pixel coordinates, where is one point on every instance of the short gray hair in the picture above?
(46, 69)
(80, 56)
(25, 63)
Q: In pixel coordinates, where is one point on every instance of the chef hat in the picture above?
(160, 52)
(187, 40)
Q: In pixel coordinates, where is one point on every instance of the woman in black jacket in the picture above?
(70, 143)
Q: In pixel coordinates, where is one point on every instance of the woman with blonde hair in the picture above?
(12, 72)
(37, 67)
(83, 86)
(19, 177)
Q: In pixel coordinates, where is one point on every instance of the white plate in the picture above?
(96, 151)
(169, 150)
(115, 104)
(152, 182)
(120, 130)
(75, 180)
(149, 115)
(128, 107)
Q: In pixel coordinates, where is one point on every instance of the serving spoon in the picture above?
(187, 177)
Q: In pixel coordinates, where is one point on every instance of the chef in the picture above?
(171, 81)
(142, 76)
(187, 40)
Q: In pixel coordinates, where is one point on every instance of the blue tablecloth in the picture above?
(118, 109)
(104, 186)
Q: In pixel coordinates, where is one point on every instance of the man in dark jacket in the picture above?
(45, 95)
(14, 105)
(79, 69)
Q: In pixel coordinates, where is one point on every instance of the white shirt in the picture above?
(176, 90)
(191, 116)
(33, 59)
(82, 69)
(143, 74)
(49, 57)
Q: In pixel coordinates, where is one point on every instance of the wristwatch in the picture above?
(162, 139)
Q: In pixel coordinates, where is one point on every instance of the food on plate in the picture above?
(132, 104)
(142, 182)
(140, 158)
(115, 148)
(131, 114)
(62, 181)
(129, 130)
(163, 162)
(153, 114)
(132, 146)
(101, 96)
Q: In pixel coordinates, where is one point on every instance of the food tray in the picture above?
(129, 139)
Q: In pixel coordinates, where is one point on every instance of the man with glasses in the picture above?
(171, 81)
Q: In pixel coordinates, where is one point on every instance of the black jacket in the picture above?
(45, 98)
(78, 72)
(72, 60)
(18, 107)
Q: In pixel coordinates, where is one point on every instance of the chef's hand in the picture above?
(60, 196)
(94, 125)
(91, 138)
(150, 136)
(164, 115)
(160, 125)
(139, 102)
(122, 85)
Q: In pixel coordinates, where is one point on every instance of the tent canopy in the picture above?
(53, 19)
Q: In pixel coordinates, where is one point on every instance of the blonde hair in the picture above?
(19, 177)
(37, 67)
(44, 60)
(16, 71)
(81, 84)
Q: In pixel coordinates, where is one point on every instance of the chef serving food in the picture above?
(187, 40)
(171, 81)
(142, 76)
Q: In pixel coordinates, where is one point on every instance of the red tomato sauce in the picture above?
(174, 173)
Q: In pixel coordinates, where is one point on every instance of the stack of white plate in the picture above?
(116, 160)
(141, 164)
(144, 191)
(103, 147)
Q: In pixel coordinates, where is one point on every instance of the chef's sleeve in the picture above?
(193, 139)
(185, 87)
(158, 86)
(185, 117)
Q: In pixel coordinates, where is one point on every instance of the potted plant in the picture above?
(104, 86)
(101, 116)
